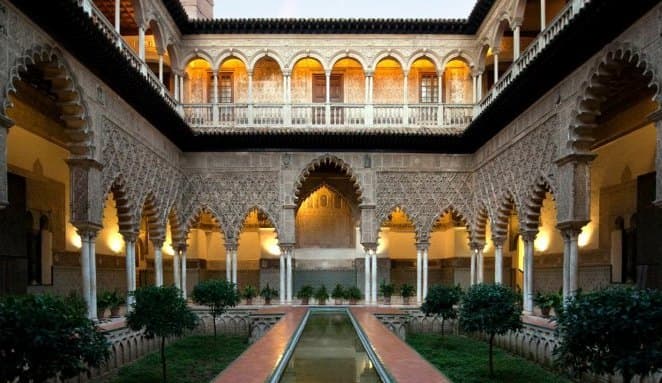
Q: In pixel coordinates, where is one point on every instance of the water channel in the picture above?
(330, 351)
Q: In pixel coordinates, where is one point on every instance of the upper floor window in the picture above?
(429, 88)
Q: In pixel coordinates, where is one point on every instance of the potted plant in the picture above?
(321, 295)
(114, 300)
(268, 293)
(102, 305)
(547, 301)
(406, 291)
(249, 293)
(386, 289)
(305, 293)
(338, 294)
(353, 294)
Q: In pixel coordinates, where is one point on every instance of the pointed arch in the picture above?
(332, 160)
(150, 209)
(420, 234)
(450, 209)
(190, 221)
(479, 225)
(52, 66)
(125, 208)
(259, 209)
(592, 90)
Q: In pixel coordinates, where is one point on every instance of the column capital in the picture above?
(516, 23)
(231, 247)
(84, 163)
(6, 122)
(529, 235)
(369, 246)
(571, 228)
(369, 72)
(440, 72)
(129, 236)
(367, 206)
(86, 229)
(327, 72)
(405, 72)
(249, 73)
(287, 72)
(422, 245)
(498, 240)
(286, 247)
(477, 72)
(476, 245)
(180, 247)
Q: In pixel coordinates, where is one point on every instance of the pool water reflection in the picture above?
(329, 351)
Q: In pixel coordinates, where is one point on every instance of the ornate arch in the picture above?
(451, 209)
(189, 221)
(270, 54)
(70, 100)
(150, 208)
(458, 54)
(229, 54)
(419, 232)
(351, 54)
(592, 90)
(327, 160)
(259, 209)
(479, 225)
(196, 54)
(424, 54)
(499, 30)
(160, 38)
(123, 204)
(389, 53)
(506, 204)
(533, 204)
(308, 54)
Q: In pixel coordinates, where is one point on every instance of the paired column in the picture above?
(141, 48)
(250, 98)
(88, 266)
(421, 270)
(158, 260)
(231, 263)
(479, 87)
(405, 98)
(327, 108)
(282, 277)
(440, 90)
(182, 253)
(369, 77)
(570, 235)
(373, 274)
(528, 237)
(287, 112)
(419, 275)
(161, 68)
(130, 250)
(117, 16)
(543, 16)
(289, 282)
(175, 269)
(498, 259)
(367, 292)
(477, 263)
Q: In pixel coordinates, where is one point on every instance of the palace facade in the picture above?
(149, 144)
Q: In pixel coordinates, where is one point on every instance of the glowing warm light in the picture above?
(542, 241)
(115, 243)
(167, 248)
(75, 240)
(382, 242)
(585, 236)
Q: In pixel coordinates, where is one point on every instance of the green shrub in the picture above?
(353, 293)
(338, 292)
(386, 289)
(548, 301)
(616, 330)
(407, 290)
(249, 292)
(321, 294)
(490, 309)
(218, 294)
(268, 293)
(44, 336)
(305, 292)
(441, 301)
(161, 312)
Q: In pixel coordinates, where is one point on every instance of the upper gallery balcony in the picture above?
(344, 95)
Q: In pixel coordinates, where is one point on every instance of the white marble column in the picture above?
(183, 271)
(85, 272)
(117, 16)
(176, 92)
(479, 264)
(175, 270)
(215, 95)
(425, 272)
(472, 275)
(228, 264)
(130, 251)
(498, 259)
(327, 108)
(570, 235)
(543, 16)
(405, 97)
(479, 87)
(282, 277)
(158, 261)
(419, 280)
(373, 273)
(181, 88)
(367, 290)
(496, 66)
(93, 271)
(141, 48)
(527, 291)
(161, 68)
(474, 79)
(234, 266)
(516, 41)
(290, 285)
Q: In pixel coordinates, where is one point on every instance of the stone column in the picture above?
(250, 98)
(327, 109)
(479, 264)
(369, 117)
(88, 269)
(474, 78)
(158, 261)
(141, 48)
(184, 268)
(181, 88)
(472, 275)
(405, 98)
(234, 266)
(440, 89)
(367, 289)
(496, 66)
(287, 104)
(419, 280)
(290, 285)
(130, 260)
(528, 237)
(161, 68)
(282, 277)
(498, 259)
(228, 264)
(479, 87)
(175, 270)
(656, 118)
(543, 17)
(570, 234)
(516, 39)
(425, 272)
(373, 272)
(5, 124)
(176, 93)
(117, 16)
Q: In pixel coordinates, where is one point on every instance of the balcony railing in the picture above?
(214, 118)
(127, 51)
(555, 27)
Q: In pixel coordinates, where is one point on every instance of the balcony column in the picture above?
(405, 98)
(479, 87)
(474, 78)
(327, 109)
(287, 110)
(161, 68)
(440, 88)
(528, 237)
(176, 93)
(181, 88)
(89, 268)
(516, 39)
(117, 16)
(158, 261)
(369, 110)
(5, 124)
(543, 17)
(496, 67)
(141, 49)
(250, 98)
(498, 259)
(419, 263)
(214, 109)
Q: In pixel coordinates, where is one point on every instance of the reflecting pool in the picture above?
(329, 351)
